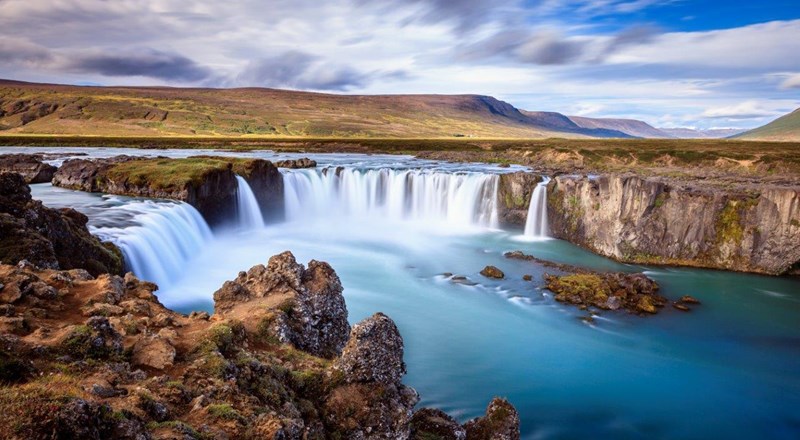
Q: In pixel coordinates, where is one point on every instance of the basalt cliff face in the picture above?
(207, 183)
(30, 166)
(639, 220)
(52, 238)
(514, 196)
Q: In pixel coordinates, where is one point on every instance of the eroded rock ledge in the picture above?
(86, 357)
(30, 166)
(51, 238)
(205, 182)
(649, 221)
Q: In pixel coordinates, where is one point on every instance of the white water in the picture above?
(164, 237)
(447, 199)
(247, 209)
(536, 224)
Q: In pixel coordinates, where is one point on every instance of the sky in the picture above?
(672, 63)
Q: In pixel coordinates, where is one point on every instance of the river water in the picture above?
(728, 369)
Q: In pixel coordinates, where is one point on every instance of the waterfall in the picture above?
(247, 209)
(536, 224)
(458, 199)
(162, 239)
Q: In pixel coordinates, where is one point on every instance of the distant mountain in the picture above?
(785, 128)
(29, 108)
(558, 122)
(631, 127)
(691, 133)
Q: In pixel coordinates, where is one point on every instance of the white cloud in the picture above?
(791, 82)
(744, 110)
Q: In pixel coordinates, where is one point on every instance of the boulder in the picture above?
(304, 307)
(492, 272)
(501, 422)
(429, 423)
(635, 293)
(29, 166)
(296, 163)
(154, 352)
(374, 352)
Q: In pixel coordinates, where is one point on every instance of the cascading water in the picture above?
(247, 209)
(163, 237)
(457, 199)
(536, 224)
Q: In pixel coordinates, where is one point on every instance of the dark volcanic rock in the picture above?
(374, 352)
(296, 163)
(267, 184)
(514, 196)
(48, 237)
(492, 272)
(609, 291)
(428, 423)
(501, 422)
(307, 306)
(30, 166)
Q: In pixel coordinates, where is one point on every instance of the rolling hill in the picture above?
(50, 109)
(785, 128)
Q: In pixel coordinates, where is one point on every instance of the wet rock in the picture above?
(681, 307)
(46, 237)
(429, 423)
(154, 352)
(686, 299)
(304, 307)
(374, 352)
(296, 163)
(29, 166)
(514, 195)
(501, 422)
(492, 272)
(608, 291)
(527, 277)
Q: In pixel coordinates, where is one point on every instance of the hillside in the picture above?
(692, 133)
(785, 128)
(558, 122)
(631, 127)
(27, 108)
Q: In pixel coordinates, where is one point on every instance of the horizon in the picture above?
(671, 63)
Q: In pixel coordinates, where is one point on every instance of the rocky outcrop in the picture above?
(207, 183)
(52, 238)
(492, 272)
(303, 162)
(501, 422)
(30, 166)
(650, 221)
(514, 196)
(300, 306)
(608, 291)
(84, 357)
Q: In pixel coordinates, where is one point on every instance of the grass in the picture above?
(166, 173)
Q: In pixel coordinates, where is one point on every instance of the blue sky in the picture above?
(672, 63)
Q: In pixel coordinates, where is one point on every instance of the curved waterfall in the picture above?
(536, 224)
(461, 199)
(247, 209)
(165, 235)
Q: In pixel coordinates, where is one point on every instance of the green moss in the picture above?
(729, 223)
(660, 200)
(795, 223)
(223, 411)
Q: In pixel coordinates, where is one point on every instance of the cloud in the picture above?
(791, 82)
(146, 62)
(465, 15)
(550, 48)
(21, 51)
(744, 110)
(299, 70)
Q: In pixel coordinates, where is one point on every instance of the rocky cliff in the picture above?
(639, 220)
(30, 166)
(207, 183)
(52, 238)
(514, 196)
(93, 358)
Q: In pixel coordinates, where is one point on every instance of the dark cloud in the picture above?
(18, 51)
(464, 14)
(299, 70)
(149, 63)
(550, 49)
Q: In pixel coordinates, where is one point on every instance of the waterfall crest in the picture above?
(459, 199)
(536, 224)
(165, 235)
(247, 210)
